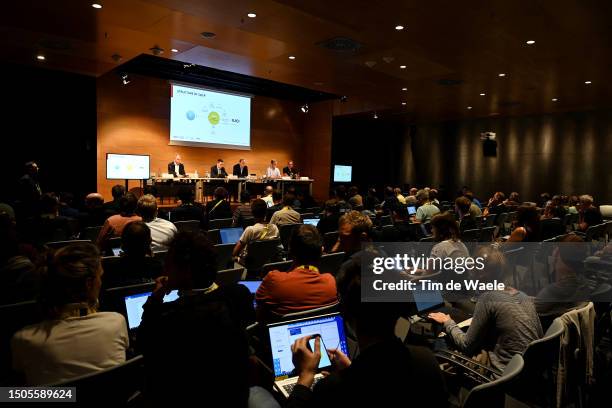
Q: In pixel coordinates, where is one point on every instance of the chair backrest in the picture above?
(493, 393)
(285, 231)
(306, 215)
(329, 239)
(282, 266)
(220, 223)
(487, 234)
(214, 236)
(60, 244)
(541, 354)
(501, 219)
(224, 255)
(602, 293)
(261, 253)
(426, 239)
(91, 233)
(160, 255)
(332, 307)
(385, 220)
(229, 276)
(471, 235)
(247, 222)
(330, 263)
(314, 210)
(489, 220)
(190, 226)
(115, 386)
(112, 299)
(606, 211)
(595, 232)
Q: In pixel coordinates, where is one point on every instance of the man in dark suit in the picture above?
(290, 170)
(240, 169)
(176, 168)
(218, 170)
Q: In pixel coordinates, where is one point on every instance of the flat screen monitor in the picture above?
(342, 174)
(127, 166)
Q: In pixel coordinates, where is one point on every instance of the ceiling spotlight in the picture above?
(96, 6)
(587, 82)
(208, 35)
(469, 107)
(375, 115)
(251, 15)
(304, 108)
(174, 50)
(40, 57)
(125, 79)
(404, 103)
(399, 27)
(530, 42)
(404, 89)
(343, 98)
(292, 57)
(482, 94)
(156, 50)
(501, 75)
(402, 67)
(554, 99)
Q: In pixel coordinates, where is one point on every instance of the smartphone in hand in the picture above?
(325, 362)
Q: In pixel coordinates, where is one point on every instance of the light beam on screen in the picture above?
(209, 118)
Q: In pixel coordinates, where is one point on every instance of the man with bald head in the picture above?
(176, 168)
(267, 197)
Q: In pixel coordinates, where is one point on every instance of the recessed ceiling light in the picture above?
(399, 27)
(469, 107)
(96, 6)
(482, 94)
(174, 50)
(375, 115)
(587, 82)
(404, 89)
(40, 57)
(292, 57)
(501, 75)
(530, 42)
(251, 15)
(404, 103)
(402, 67)
(554, 99)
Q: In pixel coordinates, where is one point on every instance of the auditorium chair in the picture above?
(314, 210)
(161, 255)
(90, 233)
(487, 234)
(471, 235)
(229, 276)
(489, 220)
(329, 240)
(306, 215)
(112, 299)
(190, 226)
(330, 263)
(261, 253)
(60, 244)
(220, 223)
(247, 222)
(120, 385)
(285, 231)
(282, 266)
(314, 312)
(225, 258)
(385, 220)
(214, 236)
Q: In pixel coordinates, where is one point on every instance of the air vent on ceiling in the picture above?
(449, 82)
(340, 44)
(510, 104)
(55, 43)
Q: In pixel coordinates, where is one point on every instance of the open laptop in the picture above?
(252, 286)
(282, 335)
(411, 210)
(134, 303)
(311, 221)
(427, 300)
(230, 235)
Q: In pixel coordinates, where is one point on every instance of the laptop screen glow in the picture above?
(311, 221)
(134, 303)
(230, 235)
(426, 300)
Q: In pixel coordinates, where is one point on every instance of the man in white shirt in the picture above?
(286, 215)
(268, 196)
(162, 231)
(273, 171)
(426, 210)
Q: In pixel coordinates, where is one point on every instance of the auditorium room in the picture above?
(306, 203)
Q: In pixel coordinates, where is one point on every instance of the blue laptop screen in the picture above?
(134, 303)
(252, 285)
(311, 221)
(330, 327)
(425, 300)
(230, 235)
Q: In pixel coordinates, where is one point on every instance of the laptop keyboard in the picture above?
(289, 387)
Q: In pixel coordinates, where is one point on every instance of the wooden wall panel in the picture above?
(134, 119)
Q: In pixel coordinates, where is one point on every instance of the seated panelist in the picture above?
(241, 169)
(290, 170)
(176, 168)
(273, 172)
(218, 170)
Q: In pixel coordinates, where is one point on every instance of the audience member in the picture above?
(513, 201)
(75, 339)
(445, 232)
(259, 231)
(114, 207)
(286, 215)
(589, 214)
(66, 206)
(426, 209)
(267, 197)
(466, 220)
(94, 214)
(371, 201)
(219, 208)
(330, 218)
(28, 191)
(113, 226)
(355, 199)
(528, 227)
(496, 204)
(475, 209)
(390, 201)
(243, 211)
(341, 196)
(162, 231)
(303, 287)
(188, 209)
(399, 196)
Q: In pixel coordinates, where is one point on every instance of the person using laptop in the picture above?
(286, 215)
(76, 339)
(260, 230)
(383, 368)
(196, 345)
(303, 287)
(507, 316)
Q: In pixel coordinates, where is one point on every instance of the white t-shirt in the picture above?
(273, 172)
(58, 350)
(162, 231)
(449, 249)
(269, 200)
(257, 232)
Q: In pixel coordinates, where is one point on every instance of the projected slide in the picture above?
(127, 166)
(342, 174)
(200, 117)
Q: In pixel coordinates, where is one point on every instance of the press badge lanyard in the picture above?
(309, 267)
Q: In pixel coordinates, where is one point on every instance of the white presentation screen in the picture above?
(127, 166)
(200, 117)
(342, 174)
